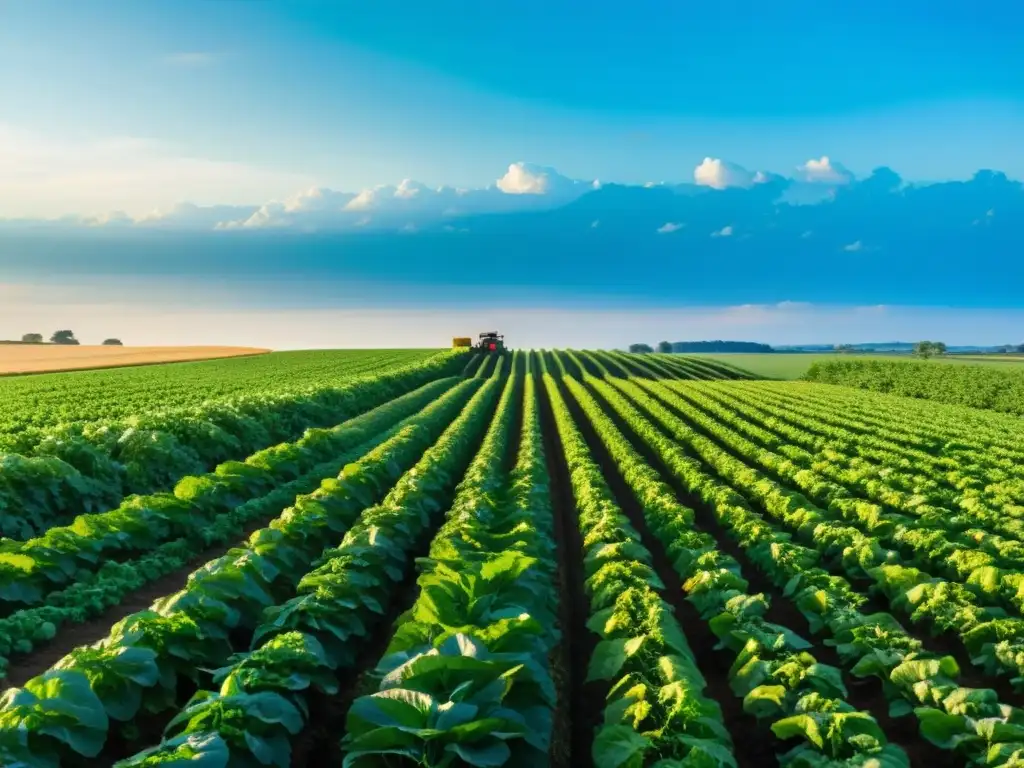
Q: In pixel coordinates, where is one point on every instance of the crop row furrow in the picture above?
(93, 594)
(655, 707)
(32, 569)
(928, 536)
(140, 666)
(991, 437)
(310, 644)
(974, 472)
(49, 477)
(471, 656)
(936, 603)
(970, 721)
(774, 671)
(939, 481)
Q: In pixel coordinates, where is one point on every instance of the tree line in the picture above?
(64, 337)
(703, 346)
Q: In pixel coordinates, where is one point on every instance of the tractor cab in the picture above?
(491, 341)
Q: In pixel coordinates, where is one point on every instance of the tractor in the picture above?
(491, 341)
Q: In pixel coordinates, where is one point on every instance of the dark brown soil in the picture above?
(582, 711)
(945, 643)
(320, 743)
(753, 744)
(864, 694)
(72, 636)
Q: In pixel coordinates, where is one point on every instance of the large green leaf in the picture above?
(619, 746)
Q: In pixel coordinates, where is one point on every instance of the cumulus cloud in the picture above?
(110, 219)
(669, 226)
(521, 179)
(725, 231)
(364, 199)
(529, 179)
(823, 171)
(523, 187)
(192, 216)
(315, 207)
(409, 189)
(719, 174)
(853, 247)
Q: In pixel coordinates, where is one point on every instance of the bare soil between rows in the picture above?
(865, 694)
(581, 704)
(753, 744)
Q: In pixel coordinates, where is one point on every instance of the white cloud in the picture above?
(364, 199)
(725, 231)
(720, 174)
(110, 219)
(190, 59)
(669, 227)
(310, 210)
(526, 187)
(824, 171)
(191, 216)
(409, 189)
(525, 179)
(595, 223)
(853, 247)
(809, 233)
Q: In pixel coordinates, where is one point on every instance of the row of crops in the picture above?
(976, 386)
(50, 474)
(560, 559)
(48, 399)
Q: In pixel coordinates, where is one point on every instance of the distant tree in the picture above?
(112, 343)
(640, 348)
(926, 349)
(664, 346)
(1020, 347)
(844, 348)
(32, 338)
(64, 337)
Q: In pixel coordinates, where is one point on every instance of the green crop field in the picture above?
(453, 559)
(794, 365)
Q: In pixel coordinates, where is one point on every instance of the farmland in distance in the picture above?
(40, 358)
(537, 558)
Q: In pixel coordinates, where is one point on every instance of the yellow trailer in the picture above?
(462, 341)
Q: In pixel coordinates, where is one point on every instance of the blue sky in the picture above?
(284, 115)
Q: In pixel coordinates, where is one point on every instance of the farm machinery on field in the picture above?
(490, 341)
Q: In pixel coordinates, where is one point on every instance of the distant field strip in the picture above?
(39, 358)
(551, 559)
